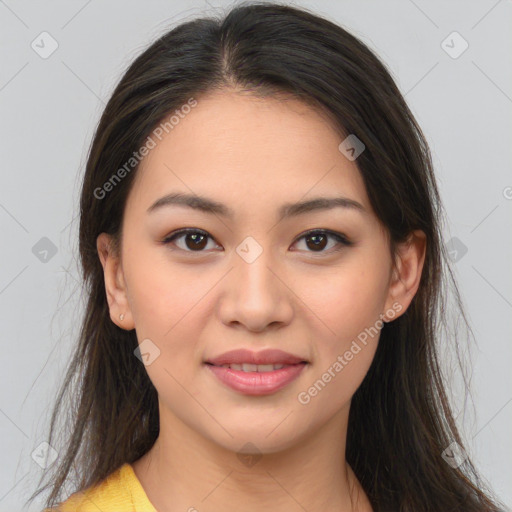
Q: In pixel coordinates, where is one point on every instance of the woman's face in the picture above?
(253, 281)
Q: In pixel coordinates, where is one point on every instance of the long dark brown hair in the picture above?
(400, 417)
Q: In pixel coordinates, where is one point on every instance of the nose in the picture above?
(256, 295)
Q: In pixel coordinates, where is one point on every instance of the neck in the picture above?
(184, 470)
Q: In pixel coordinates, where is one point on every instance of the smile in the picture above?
(248, 367)
(257, 380)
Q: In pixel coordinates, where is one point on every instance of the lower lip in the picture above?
(257, 383)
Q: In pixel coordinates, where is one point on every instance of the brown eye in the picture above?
(197, 241)
(318, 240)
(194, 240)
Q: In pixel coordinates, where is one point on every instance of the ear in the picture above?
(405, 278)
(115, 286)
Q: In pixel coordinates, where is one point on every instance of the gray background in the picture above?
(49, 109)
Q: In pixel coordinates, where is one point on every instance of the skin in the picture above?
(253, 155)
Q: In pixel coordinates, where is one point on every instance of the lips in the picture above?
(256, 373)
(264, 357)
(256, 383)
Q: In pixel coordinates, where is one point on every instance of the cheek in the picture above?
(344, 350)
(167, 310)
(163, 294)
(347, 308)
(347, 301)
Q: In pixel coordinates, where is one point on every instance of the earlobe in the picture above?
(115, 287)
(406, 276)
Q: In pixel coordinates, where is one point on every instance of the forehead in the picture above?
(248, 152)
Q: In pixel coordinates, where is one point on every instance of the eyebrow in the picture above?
(287, 210)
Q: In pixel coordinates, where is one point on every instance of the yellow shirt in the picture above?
(121, 491)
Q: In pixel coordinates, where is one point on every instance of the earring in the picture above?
(121, 316)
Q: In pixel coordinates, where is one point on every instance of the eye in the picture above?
(317, 240)
(195, 239)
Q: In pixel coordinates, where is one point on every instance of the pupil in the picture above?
(195, 238)
(317, 245)
(319, 241)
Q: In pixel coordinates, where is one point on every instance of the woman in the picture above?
(260, 240)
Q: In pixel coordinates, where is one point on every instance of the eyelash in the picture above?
(341, 239)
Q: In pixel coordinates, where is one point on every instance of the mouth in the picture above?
(249, 367)
(249, 361)
(256, 380)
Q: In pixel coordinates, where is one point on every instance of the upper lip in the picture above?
(269, 356)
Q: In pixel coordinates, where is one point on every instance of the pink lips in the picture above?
(256, 383)
(268, 356)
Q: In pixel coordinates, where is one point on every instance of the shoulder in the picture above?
(119, 491)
